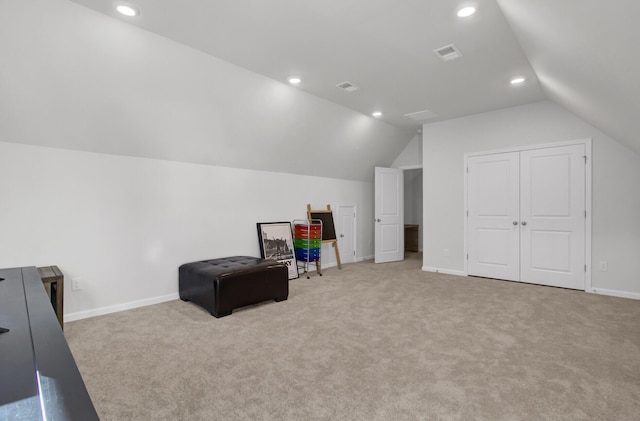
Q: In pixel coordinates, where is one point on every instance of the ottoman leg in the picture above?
(221, 314)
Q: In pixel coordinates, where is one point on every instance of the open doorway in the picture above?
(413, 212)
(398, 213)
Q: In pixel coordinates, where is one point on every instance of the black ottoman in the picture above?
(221, 285)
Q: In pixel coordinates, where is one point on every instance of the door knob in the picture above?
(378, 220)
(341, 235)
(515, 222)
(524, 223)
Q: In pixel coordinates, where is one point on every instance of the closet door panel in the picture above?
(552, 216)
(493, 201)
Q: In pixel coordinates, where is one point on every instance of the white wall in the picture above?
(615, 202)
(77, 79)
(144, 133)
(411, 155)
(411, 159)
(123, 225)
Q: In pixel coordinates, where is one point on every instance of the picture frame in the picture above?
(276, 242)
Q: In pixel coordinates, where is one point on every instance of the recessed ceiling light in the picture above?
(126, 9)
(377, 114)
(466, 11)
(294, 80)
(517, 80)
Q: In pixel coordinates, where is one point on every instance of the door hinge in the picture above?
(585, 159)
(467, 213)
(467, 256)
(585, 268)
(354, 252)
(467, 170)
(585, 213)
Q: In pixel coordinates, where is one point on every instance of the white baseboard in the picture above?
(119, 307)
(70, 317)
(445, 271)
(170, 297)
(616, 293)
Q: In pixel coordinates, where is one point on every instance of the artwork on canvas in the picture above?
(276, 242)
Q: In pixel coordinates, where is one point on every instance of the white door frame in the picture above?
(355, 226)
(404, 169)
(588, 187)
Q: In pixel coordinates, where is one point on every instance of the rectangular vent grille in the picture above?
(421, 115)
(448, 52)
(348, 86)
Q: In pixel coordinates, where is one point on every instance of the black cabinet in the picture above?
(39, 377)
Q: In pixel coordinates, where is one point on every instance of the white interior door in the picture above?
(552, 214)
(389, 215)
(347, 232)
(493, 241)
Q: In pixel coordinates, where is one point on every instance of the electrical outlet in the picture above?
(447, 253)
(75, 284)
(604, 266)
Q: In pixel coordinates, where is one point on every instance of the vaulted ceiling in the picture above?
(579, 53)
(206, 81)
(585, 54)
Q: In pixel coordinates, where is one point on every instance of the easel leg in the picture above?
(335, 245)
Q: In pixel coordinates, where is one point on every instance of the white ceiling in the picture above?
(578, 53)
(587, 59)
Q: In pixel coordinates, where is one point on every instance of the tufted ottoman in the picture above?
(221, 285)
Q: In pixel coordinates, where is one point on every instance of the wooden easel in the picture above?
(328, 229)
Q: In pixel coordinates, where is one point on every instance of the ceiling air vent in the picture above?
(448, 52)
(348, 86)
(421, 115)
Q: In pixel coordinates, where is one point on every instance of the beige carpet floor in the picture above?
(371, 342)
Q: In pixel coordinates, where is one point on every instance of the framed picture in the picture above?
(276, 242)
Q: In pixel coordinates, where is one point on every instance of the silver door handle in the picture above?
(341, 235)
(524, 223)
(515, 222)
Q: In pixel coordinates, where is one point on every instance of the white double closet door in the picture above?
(526, 216)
